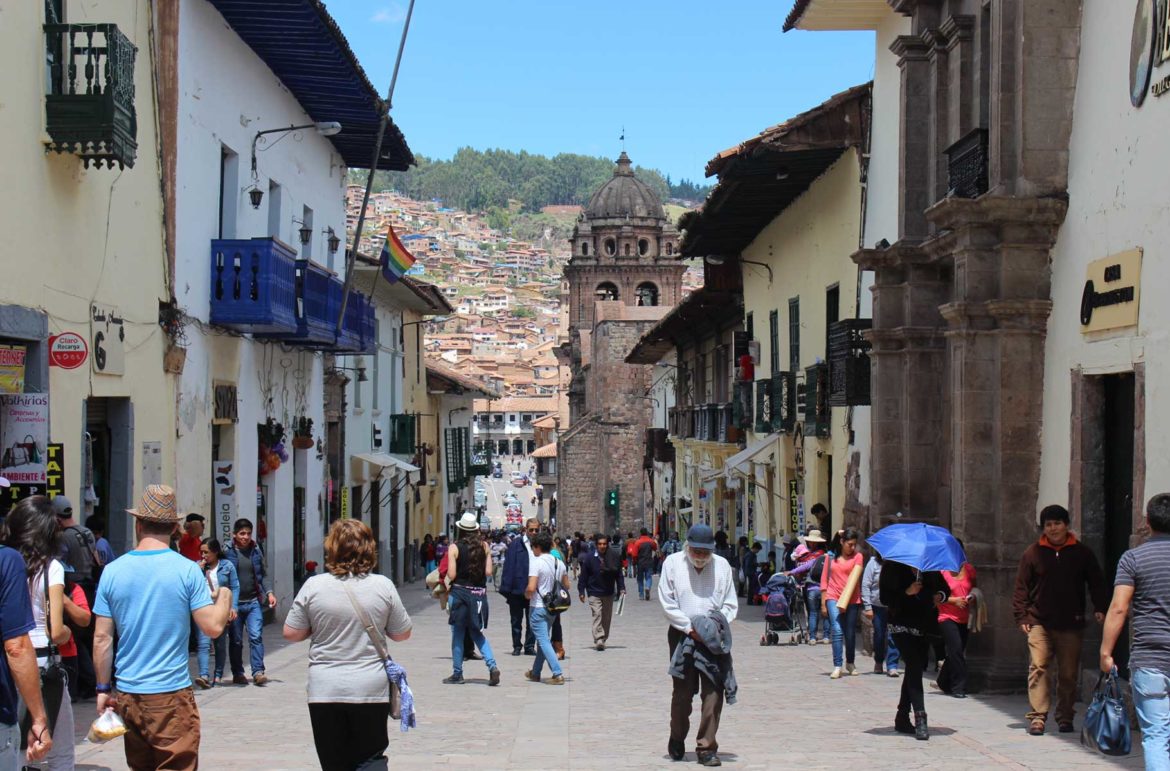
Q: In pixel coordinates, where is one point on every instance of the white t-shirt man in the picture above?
(548, 571)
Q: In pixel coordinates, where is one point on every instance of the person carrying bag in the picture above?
(401, 697)
(53, 676)
(1106, 727)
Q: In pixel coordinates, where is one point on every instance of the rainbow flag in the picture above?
(395, 259)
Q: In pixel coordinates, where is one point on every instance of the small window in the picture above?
(647, 294)
(669, 248)
(511, 417)
(584, 247)
(627, 250)
(610, 247)
(643, 247)
(606, 291)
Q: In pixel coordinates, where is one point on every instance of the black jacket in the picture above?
(917, 613)
(596, 580)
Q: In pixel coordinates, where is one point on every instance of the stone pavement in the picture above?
(613, 711)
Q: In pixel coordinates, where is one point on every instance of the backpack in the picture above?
(558, 599)
(82, 555)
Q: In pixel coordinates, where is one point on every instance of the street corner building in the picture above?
(623, 277)
(1012, 217)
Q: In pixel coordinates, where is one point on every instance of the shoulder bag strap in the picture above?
(53, 652)
(374, 634)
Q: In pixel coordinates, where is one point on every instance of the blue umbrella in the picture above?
(921, 546)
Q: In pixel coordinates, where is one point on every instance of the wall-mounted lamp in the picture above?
(324, 128)
(360, 370)
(334, 241)
(305, 232)
(718, 259)
(256, 194)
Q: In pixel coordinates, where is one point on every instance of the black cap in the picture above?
(196, 518)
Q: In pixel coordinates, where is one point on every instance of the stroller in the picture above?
(784, 611)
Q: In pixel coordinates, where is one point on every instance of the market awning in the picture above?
(740, 462)
(381, 461)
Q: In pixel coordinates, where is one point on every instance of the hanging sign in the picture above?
(55, 470)
(1111, 293)
(67, 350)
(107, 333)
(12, 369)
(24, 437)
(344, 505)
(223, 476)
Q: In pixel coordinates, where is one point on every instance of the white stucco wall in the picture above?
(1117, 201)
(227, 94)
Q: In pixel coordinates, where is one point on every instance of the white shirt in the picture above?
(547, 570)
(36, 593)
(685, 592)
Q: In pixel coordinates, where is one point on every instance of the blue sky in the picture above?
(686, 78)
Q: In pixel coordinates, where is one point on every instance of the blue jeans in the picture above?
(1151, 700)
(540, 621)
(883, 641)
(10, 747)
(817, 626)
(204, 653)
(251, 615)
(645, 579)
(843, 625)
(457, 634)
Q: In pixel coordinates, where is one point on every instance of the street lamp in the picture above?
(718, 259)
(323, 128)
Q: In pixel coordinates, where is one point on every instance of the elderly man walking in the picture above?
(696, 583)
(600, 581)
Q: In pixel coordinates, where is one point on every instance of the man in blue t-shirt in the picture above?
(18, 666)
(149, 596)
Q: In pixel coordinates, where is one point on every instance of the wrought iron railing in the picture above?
(89, 104)
(967, 165)
(849, 363)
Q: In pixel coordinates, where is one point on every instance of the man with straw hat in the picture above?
(149, 596)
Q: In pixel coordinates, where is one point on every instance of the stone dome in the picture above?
(624, 196)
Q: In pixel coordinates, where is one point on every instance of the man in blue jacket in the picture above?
(245, 556)
(514, 583)
(601, 582)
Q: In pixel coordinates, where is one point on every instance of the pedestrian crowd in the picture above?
(69, 609)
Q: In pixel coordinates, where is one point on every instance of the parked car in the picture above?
(497, 473)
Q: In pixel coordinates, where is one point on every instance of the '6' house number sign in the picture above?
(107, 340)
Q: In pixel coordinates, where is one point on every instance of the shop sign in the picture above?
(793, 506)
(24, 437)
(107, 332)
(67, 350)
(344, 505)
(12, 369)
(55, 470)
(223, 475)
(1149, 48)
(1112, 291)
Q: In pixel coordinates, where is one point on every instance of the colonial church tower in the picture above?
(623, 277)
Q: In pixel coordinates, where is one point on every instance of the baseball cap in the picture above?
(195, 518)
(62, 506)
(700, 537)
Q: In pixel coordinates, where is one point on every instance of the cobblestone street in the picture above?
(612, 713)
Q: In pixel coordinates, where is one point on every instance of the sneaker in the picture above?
(893, 673)
(529, 651)
(934, 684)
(835, 674)
(823, 641)
(454, 679)
(962, 695)
(851, 670)
(600, 646)
(1036, 727)
(494, 676)
(239, 680)
(529, 676)
(556, 680)
(515, 651)
(202, 682)
(709, 759)
(259, 678)
(676, 749)
(1064, 728)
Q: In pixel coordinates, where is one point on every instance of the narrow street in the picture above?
(612, 713)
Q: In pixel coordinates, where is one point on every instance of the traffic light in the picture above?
(611, 498)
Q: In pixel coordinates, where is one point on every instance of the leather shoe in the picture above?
(676, 749)
(529, 652)
(709, 759)
(239, 680)
(515, 651)
(1065, 728)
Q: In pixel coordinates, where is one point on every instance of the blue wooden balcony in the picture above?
(253, 285)
(318, 298)
(356, 312)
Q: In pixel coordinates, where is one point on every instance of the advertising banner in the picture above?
(223, 475)
(12, 369)
(24, 438)
(55, 470)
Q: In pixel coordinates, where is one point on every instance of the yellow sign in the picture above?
(344, 502)
(12, 369)
(1112, 292)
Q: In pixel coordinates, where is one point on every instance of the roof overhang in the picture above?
(368, 466)
(837, 15)
(303, 46)
(762, 176)
(703, 310)
(408, 293)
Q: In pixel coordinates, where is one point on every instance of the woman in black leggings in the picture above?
(912, 599)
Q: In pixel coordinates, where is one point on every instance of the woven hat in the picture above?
(814, 536)
(468, 521)
(157, 505)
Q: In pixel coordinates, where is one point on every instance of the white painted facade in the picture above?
(1117, 202)
(227, 94)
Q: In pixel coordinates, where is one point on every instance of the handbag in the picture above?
(558, 599)
(379, 642)
(1106, 727)
(53, 675)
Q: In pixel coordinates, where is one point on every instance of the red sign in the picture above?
(67, 350)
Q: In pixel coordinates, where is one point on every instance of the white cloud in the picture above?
(391, 14)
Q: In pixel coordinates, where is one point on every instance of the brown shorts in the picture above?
(162, 730)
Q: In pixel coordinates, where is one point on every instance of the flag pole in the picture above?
(351, 258)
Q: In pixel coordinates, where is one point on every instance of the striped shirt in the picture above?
(1147, 569)
(685, 592)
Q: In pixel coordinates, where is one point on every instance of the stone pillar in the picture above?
(914, 193)
(962, 109)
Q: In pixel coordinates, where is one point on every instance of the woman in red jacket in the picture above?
(952, 621)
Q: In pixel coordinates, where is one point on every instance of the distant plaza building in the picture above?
(622, 277)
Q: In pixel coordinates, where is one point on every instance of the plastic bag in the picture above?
(108, 726)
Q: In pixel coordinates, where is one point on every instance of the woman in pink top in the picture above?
(952, 620)
(842, 623)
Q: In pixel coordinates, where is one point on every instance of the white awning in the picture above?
(381, 461)
(753, 453)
